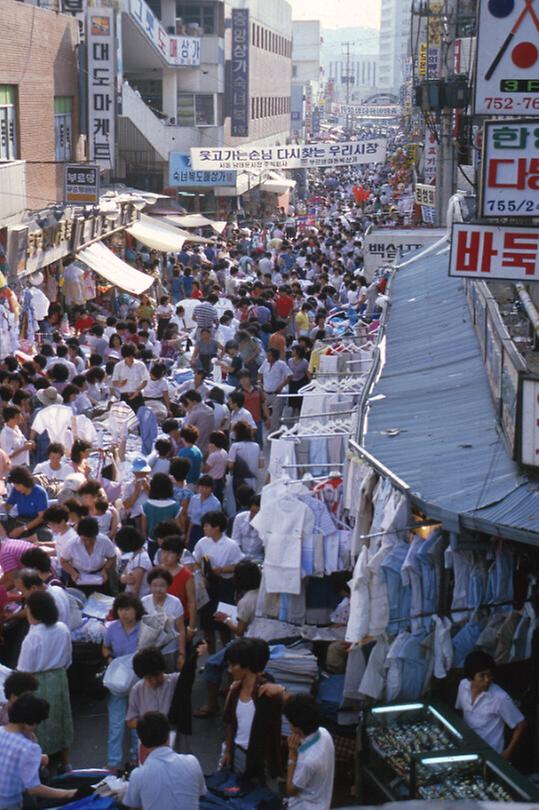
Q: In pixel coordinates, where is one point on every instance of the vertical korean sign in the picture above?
(507, 61)
(510, 176)
(101, 86)
(239, 74)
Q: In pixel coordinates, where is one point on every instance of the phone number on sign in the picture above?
(525, 103)
(512, 206)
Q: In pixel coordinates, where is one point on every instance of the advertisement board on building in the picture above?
(308, 110)
(179, 51)
(181, 173)
(368, 110)
(381, 248)
(425, 194)
(507, 58)
(430, 155)
(101, 86)
(300, 156)
(239, 74)
(81, 183)
(529, 422)
(510, 169)
(486, 252)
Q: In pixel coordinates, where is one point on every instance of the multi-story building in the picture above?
(39, 105)
(270, 71)
(359, 73)
(306, 76)
(395, 22)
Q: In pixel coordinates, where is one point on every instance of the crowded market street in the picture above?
(269, 406)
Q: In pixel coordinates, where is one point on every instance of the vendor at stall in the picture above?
(486, 707)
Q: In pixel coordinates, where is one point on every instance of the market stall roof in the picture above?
(155, 236)
(170, 224)
(118, 272)
(431, 420)
(276, 183)
(199, 221)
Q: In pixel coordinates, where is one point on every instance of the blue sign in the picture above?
(239, 74)
(180, 173)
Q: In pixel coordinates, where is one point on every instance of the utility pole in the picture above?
(446, 166)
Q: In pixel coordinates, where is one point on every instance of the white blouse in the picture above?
(45, 648)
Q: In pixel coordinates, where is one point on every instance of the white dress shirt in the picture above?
(489, 713)
(136, 375)
(45, 648)
(11, 440)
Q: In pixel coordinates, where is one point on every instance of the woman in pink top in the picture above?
(11, 552)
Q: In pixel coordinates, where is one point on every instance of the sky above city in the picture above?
(338, 13)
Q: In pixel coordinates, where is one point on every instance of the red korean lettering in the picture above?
(474, 251)
(520, 251)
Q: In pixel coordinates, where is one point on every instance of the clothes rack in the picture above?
(319, 464)
(317, 415)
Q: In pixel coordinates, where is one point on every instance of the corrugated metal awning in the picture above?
(432, 422)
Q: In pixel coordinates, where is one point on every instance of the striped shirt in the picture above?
(11, 552)
(205, 315)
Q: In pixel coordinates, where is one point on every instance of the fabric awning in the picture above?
(118, 272)
(155, 236)
(189, 237)
(277, 183)
(200, 221)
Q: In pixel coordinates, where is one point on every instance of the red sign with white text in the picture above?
(484, 252)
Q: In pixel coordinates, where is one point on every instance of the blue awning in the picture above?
(431, 419)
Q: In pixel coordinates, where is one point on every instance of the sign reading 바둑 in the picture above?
(299, 156)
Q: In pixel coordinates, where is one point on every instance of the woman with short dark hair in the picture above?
(46, 653)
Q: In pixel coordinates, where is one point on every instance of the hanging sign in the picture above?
(81, 183)
(101, 86)
(485, 252)
(510, 175)
(507, 65)
(300, 156)
(239, 74)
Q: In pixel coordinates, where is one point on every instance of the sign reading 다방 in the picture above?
(507, 74)
(239, 74)
(81, 183)
(510, 176)
(485, 252)
(181, 173)
(300, 156)
(101, 86)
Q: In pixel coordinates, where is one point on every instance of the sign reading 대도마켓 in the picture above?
(510, 169)
(292, 156)
(101, 86)
(81, 183)
(485, 252)
(507, 61)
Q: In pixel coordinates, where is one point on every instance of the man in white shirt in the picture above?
(311, 756)
(130, 377)
(274, 375)
(486, 707)
(165, 780)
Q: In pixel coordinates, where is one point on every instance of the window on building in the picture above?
(8, 122)
(196, 110)
(63, 128)
(201, 15)
(252, 108)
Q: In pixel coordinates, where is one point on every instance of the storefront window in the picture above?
(196, 110)
(63, 123)
(203, 16)
(8, 122)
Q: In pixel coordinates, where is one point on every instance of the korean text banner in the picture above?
(507, 71)
(485, 252)
(101, 86)
(510, 169)
(300, 156)
(239, 74)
